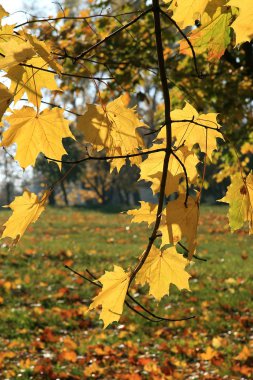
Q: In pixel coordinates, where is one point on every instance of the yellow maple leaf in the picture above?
(247, 147)
(152, 168)
(161, 269)
(146, 213)
(31, 80)
(212, 37)
(191, 133)
(244, 354)
(43, 49)
(181, 222)
(209, 354)
(243, 25)
(113, 127)
(6, 34)
(26, 210)
(187, 11)
(3, 12)
(93, 369)
(36, 133)
(5, 99)
(112, 295)
(15, 52)
(240, 198)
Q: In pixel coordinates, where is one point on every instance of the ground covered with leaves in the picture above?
(46, 332)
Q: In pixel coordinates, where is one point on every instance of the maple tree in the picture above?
(113, 131)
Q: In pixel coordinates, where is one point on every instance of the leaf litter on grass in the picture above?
(47, 334)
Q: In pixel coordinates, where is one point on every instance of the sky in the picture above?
(13, 6)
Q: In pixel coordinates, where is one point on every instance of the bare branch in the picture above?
(117, 31)
(187, 251)
(54, 105)
(156, 316)
(82, 276)
(199, 75)
(65, 74)
(105, 158)
(166, 98)
(77, 18)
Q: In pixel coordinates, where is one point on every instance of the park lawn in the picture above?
(46, 332)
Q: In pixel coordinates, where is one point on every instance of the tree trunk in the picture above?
(8, 185)
(65, 195)
(51, 198)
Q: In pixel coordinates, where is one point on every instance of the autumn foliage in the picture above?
(174, 163)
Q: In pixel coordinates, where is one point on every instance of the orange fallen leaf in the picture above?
(209, 354)
(92, 369)
(69, 356)
(69, 343)
(244, 354)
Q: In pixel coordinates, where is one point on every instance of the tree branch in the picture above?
(74, 18)
(199, 75)
(105, 158)
(65, 74)
(187, 251)
(117, 31)
(166, 98)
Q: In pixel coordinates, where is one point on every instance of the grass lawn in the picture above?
(45, 332)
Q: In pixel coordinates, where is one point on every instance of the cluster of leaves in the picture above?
(114, 128)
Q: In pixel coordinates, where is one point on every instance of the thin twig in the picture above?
(187, 251)
(65, 74)
(77, 18)
(199, 75)
(117, 31)
(105, 158)
(82, 276)
(156, 316)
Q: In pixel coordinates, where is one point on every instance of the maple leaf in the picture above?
(5, 99)
(15, 52)
(212, 37)
(244, 354)
(112, 127)
(26, 210)
(209, 354)
(191, 133)
(187, 11)
(152, 168)
(146, 213)
(43, 48)
(243, 25)
(240, 198)
(3, 12)
(112, 295)
(161, 269)
(69, 356)
(181, 222)
(31, 80)
(6, 34)
(36, 133)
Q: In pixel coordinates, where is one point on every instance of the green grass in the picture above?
(45, 332)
